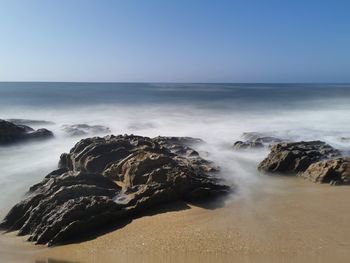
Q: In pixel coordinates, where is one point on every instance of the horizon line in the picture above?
(167, 82)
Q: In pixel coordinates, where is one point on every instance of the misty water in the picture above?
(217, 113)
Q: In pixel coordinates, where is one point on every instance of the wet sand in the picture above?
(281, 220)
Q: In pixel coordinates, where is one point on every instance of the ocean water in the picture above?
(217, 113)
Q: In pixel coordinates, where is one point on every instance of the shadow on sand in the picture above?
(165, 208)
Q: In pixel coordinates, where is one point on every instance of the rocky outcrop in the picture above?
(12, 133)
(255, 140)
(85, 129)
(335, 171)
(105, 180)
(296, 157)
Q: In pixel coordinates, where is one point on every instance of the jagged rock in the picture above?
(296, 157)
(12, 133)
(335, 171)
(104, 180)
(30, 122)
(85, 129)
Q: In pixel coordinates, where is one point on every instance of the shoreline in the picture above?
(284, 219)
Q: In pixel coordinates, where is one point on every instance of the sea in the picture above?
(217, 113)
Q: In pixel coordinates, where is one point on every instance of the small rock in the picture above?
(85, 129)
(255, 140)
(264, 138)
(240, 145)
(344, 139)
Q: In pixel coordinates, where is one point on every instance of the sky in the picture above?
(175, 41)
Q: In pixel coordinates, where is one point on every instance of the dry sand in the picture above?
(284, 220)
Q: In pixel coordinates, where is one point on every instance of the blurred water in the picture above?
(217, 113)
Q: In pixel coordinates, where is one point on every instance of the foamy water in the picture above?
(218, 114)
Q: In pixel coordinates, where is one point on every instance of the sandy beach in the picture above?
(174, 131)
(287, 220)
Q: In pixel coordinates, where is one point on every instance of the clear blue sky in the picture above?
(179, 40)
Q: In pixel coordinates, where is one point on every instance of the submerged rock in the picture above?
(12, 133)
(260, 137)
(296, 157)
(240, 145)
(335, 172)
(104, 180)
(85, 129)
(255, 140)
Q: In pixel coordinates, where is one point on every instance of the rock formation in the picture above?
(12, 133)
(296, 157)
(105, 180)
(335, 171)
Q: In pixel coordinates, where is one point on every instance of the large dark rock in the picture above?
(335, 171)
(12, 133)
(296, 157)
(85, 129)
(104, 180)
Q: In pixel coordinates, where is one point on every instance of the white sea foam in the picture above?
(25, 164)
